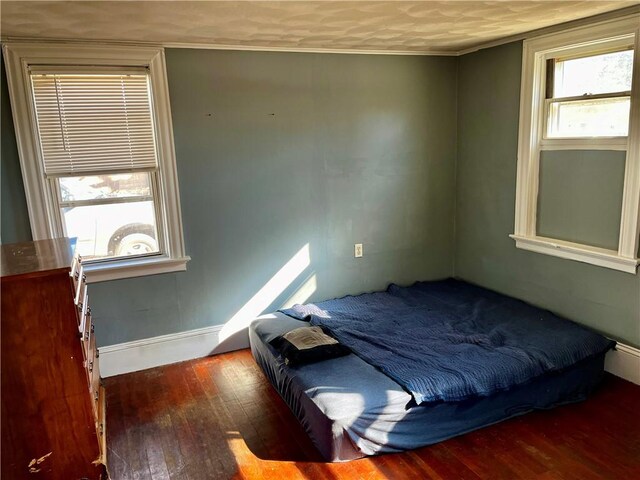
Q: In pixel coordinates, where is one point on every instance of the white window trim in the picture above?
(531, 142)
(41, 206)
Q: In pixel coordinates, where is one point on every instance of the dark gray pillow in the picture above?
(307, 345)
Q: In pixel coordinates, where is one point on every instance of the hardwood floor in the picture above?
(219, 418)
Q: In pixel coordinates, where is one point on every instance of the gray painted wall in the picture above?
(14, 217)
(580, 196)
(488, 102)
(279, 150)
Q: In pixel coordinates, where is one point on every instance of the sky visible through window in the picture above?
(610, 72)
(597, 74)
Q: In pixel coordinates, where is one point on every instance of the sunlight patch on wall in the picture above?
(303, 293)
(268, 293)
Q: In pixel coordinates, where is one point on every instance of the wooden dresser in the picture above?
(53, 415)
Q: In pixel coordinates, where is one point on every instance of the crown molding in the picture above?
(351, 51)
(215, 46)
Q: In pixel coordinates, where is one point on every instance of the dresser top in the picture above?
(36, 257)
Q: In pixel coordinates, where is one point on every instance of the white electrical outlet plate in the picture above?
(358, 250)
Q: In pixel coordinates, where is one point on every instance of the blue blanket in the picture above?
(451, 341)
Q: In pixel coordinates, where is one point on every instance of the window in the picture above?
(589, 96)
(578, 184)
(97, 140)
(94, 133)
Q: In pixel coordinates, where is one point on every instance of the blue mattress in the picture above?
(448, 340)
(350, 409)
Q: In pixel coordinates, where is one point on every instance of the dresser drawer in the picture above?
(75, 273)
(91, 352)
(90, 331)
(87, 333)
(82, 312)
(95, 387)
(81, 286)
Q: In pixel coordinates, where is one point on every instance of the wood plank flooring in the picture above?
(219, 418)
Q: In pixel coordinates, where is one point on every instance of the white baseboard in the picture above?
(128, 357)
(166, 349)
(176, 347)
(624, 362)
(156, 351)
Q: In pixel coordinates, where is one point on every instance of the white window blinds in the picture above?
(90, 123)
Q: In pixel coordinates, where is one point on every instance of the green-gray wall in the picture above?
(488, 102)
(580, 196)
(279, 150)
(14, 217)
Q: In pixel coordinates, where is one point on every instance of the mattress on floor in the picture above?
(350, 409)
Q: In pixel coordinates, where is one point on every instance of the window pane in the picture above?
(608, 117)
(112, 230)
(606, 73)
(105, 186)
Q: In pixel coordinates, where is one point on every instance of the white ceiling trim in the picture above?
(216, 46)
(311, 50)
(603, 17)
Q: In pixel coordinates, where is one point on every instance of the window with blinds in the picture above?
(94, 122)
(95, 136)
(98, 150)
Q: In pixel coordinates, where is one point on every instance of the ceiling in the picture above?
(392, 26)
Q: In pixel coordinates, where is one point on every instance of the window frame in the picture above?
(532, 140)
(41, 194)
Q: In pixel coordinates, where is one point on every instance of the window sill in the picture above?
(575, 251)
(139, 267)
